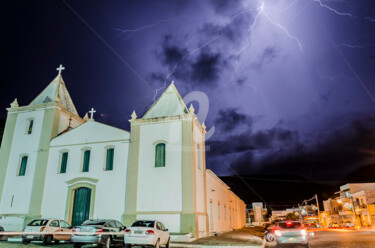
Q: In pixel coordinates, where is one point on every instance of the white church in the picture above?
(55, 164)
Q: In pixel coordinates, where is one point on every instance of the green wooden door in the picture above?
(81, 206)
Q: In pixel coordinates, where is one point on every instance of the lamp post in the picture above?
(317, 205)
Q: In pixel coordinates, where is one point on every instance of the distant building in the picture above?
(355, 205)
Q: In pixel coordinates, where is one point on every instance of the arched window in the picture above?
(160, 155)
(23, 164)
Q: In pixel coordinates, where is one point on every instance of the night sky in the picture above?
(283, 86)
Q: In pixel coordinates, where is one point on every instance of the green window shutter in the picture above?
(160, 155)
(86, 161)
(23, 166)
(109, 162)
(64, 162)
(30, 130)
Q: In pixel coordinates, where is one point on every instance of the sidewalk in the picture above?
(246, 237)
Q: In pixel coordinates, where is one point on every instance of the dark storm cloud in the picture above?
(229, 119)
(336, 151)
(171, 52)
(206, 67)
(234, 31)
(226, 7)
(267, 55)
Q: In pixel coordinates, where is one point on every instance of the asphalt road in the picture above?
(323, 239)
(342, 239)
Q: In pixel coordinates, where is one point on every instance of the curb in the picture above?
(213, 246)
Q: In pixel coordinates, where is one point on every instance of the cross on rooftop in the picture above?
(60, 68)
(92, 111)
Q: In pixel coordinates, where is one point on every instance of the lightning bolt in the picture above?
(333, 10)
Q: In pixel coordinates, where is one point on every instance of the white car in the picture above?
(47, 230)
(147, 233)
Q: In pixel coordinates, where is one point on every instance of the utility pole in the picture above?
(317, 205)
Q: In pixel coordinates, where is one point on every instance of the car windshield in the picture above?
(94, 222)
(142, 223)
(38, 223)
(290, 225)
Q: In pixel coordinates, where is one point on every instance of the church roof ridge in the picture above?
(171, 89)
(56, 91)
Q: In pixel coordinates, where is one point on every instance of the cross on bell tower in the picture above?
(60, 68)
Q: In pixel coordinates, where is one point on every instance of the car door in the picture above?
(53, 227)
(164, 233)
(160, 233)
(121, 231)
(65, 231)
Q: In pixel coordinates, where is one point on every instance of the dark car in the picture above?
(1, 230)
(101, 232)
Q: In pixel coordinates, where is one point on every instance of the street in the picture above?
(322, 239)
(340, 238)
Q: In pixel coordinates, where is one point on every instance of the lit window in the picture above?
(64, 162)
(160, 155)
(109, 160)
(86, 161)
(22, 170)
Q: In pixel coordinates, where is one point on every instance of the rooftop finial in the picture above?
(86, 117)
(203, 126)
(60, 68)
(191, 108)
(134, 115)
(14, 104)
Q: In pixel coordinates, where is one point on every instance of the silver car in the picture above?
(101, 232)
(291, 232)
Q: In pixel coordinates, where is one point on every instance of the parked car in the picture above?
(291, 232)
(147, 233)
(100, 232)
(46, 230)
(1, 230)
(349, 224)
(334, 225)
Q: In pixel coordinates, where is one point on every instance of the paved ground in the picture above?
(341, 239)
(323, 239)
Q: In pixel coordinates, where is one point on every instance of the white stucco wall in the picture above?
(219, 192)
(159, 188)
(111, 185)
(20, 187)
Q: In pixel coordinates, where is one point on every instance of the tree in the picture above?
(291, 216)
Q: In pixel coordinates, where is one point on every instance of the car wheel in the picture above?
(157, 244)
(108, 243)
(26, 242)
(57, 241)
(307, 245)
(47, 240)
(270, 237)
(167, 244)
(77, 245)
(128, 245)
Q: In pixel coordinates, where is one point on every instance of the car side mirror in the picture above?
(123, 228)
(165, 230)
(70, 227)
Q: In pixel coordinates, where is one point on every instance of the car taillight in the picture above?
(42, 229)
(127, 231)
(304, 232)
(278, 233)
(150, 232)
(99, 230)
(75, 229)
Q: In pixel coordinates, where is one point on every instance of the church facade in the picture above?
(55, 164)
